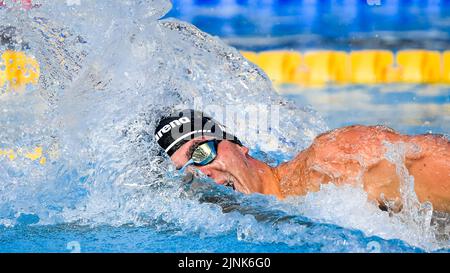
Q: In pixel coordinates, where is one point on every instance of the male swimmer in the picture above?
(349, 155)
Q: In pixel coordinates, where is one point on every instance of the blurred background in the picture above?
(326, 24)
(355, 61)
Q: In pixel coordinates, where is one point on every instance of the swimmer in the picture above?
(350, 155)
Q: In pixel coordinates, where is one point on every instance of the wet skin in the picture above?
(352, 155)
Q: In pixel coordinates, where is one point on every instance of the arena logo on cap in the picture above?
(171, 125)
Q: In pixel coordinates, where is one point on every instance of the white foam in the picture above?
(108, 69)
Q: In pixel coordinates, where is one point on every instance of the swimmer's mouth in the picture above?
(229, 184)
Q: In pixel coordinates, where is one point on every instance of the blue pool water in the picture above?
(432, 113)
(144, 240)
(75, 239)
(410, 109)
(106, 77)
(323, 24)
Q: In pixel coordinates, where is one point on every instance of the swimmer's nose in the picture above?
(208, 171)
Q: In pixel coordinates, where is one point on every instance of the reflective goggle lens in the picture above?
(205, 153)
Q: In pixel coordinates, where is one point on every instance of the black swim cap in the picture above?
(175, 130)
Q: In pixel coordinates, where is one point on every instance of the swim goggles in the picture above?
(203, 154)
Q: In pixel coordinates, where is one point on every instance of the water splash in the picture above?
(105, 78)
(418, 214)
(108, 70)
(348, 206)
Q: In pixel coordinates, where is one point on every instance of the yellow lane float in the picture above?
(280, 66)
(36, 154)
(251, 56)
(356, 67)
(322, 67)
(371, 66)
(17, 70)
(446, 69)
(419, 66)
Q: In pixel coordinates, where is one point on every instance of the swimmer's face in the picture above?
(229, 168)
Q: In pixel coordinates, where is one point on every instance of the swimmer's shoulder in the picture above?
(366, 141)
(355, 133)
(435, 144)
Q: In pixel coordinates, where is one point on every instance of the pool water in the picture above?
(409, 109)
(73, 239)
(335, 25)
(104, 185)
(427, 110)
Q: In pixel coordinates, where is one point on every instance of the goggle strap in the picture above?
(190, 162)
